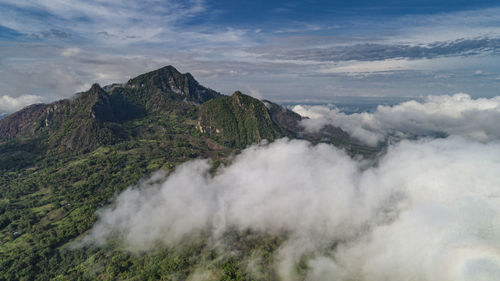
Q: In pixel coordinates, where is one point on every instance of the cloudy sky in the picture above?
(286, 51)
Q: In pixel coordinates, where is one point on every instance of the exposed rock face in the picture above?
(150, 92)
(23, 121)
(98, 116)
(167, 83)
(84, 121)
(284, 117)
(76, 123)
(101, 109)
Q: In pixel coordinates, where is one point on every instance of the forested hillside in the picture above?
(61, 162)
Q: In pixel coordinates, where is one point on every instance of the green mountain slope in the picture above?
(238, 121)
(61, 162)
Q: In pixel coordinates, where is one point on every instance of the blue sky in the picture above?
(286, 51)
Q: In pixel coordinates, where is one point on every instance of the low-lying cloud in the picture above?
(457, 115)
(427, 210)
(9, 104)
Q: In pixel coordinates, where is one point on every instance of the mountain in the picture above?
(72, 124)
(283, 117)
(78, 122)
(100, 116)
(238, 121)
(159, 90)
(60, 162)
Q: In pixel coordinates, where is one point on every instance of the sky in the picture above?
(285, 51)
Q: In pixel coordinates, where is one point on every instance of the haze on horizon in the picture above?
(286, 51)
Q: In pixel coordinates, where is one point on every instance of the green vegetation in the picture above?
(59, 163)
(52, 200)
(49, 197)
(238, 121)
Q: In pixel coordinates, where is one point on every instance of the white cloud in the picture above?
(438, 115)
(113, 13)
(9, 104)
(447, 26)
(428, 211)
(120, 23)
(440, 65)
(164, 31)
(255, 93)
(371, 66)
(65, 71)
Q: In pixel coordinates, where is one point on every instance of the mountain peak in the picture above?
(237, 94)
(92, 95)
(238, 120)
(169, 68)
(95, 87)
(168, 83)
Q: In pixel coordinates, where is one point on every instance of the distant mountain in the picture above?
(3, 115)
(62, 161)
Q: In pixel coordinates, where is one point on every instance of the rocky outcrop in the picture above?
(71, 124)
(101, 108)
(22, 122)
(285, 118)
(157, 87)
(99, 116)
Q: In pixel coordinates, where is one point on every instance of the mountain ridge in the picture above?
(96, 106)
(238, 115)
(61, 162)
(98, 116)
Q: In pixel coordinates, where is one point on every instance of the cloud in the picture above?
(255, 93)
(55, 33)
(116, 23)
(469, 23)
(428, 210)
(218, 199)
(380, 52)
(9, 104)
(65, 71)
(285, 60)
(8, 34)
(123, 11)
(457, 115)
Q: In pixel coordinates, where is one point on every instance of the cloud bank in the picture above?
(457, 115)
(428, 210)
